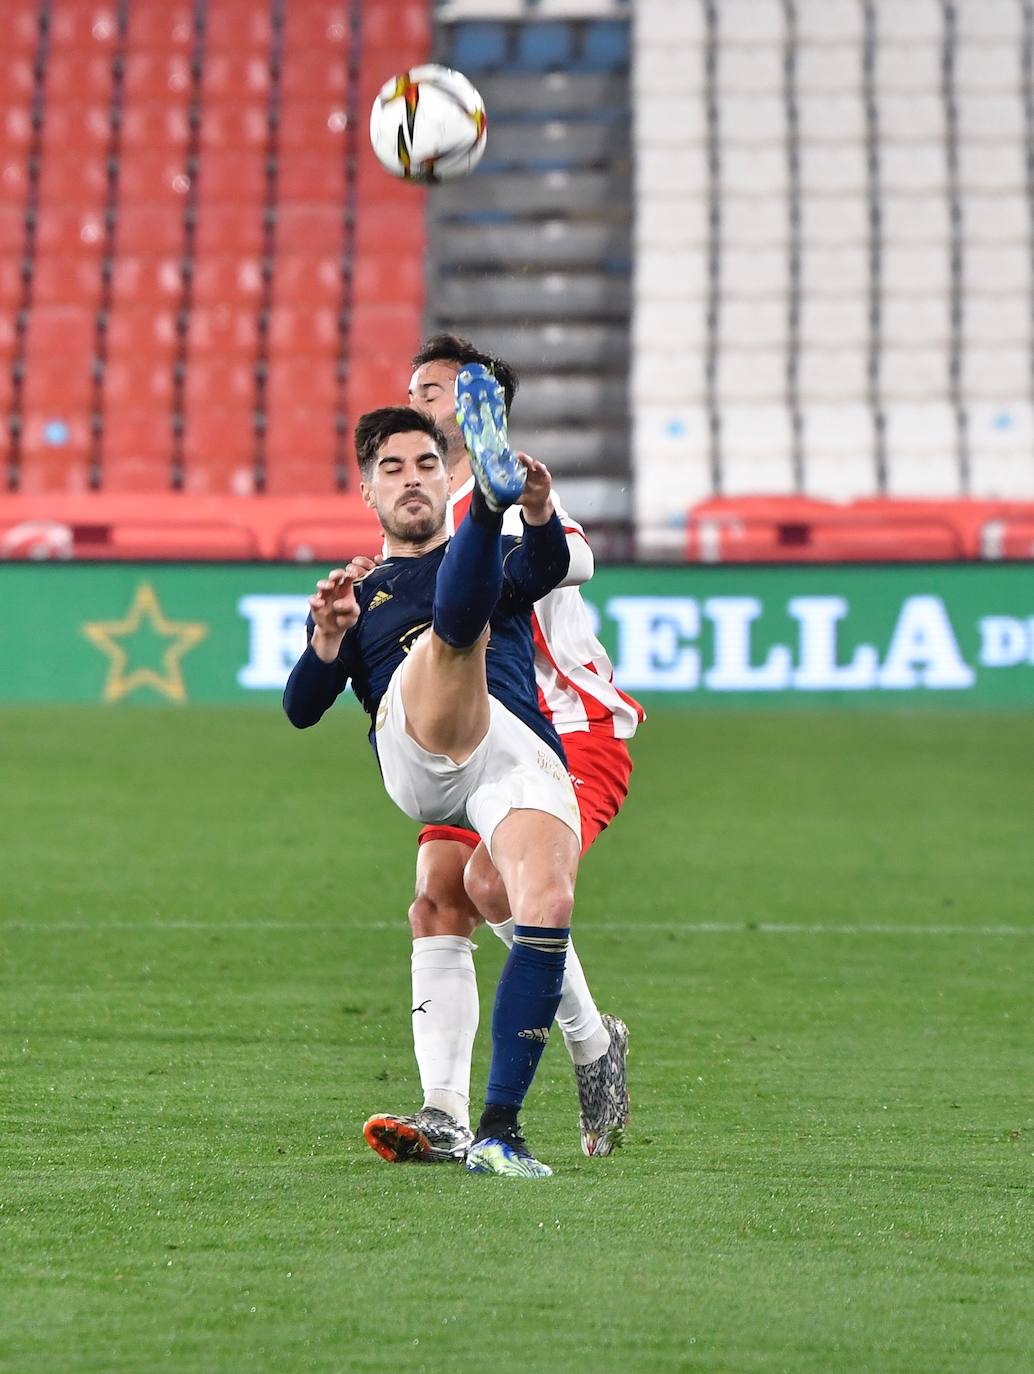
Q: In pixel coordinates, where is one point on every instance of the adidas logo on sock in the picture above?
(541, 1034)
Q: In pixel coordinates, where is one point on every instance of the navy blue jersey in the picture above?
(395, 605)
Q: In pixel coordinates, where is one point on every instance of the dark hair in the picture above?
(452, 348)
(377, 425)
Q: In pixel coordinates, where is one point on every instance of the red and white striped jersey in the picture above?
(575, 677)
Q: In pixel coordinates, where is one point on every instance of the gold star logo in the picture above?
(119, 638)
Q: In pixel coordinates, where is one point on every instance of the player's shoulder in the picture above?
(375, 580)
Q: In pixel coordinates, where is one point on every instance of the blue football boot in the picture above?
(481, 415)
(505, 1153)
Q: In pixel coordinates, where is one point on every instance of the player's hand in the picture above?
(334, 611)
(537, 497)
(363, 565)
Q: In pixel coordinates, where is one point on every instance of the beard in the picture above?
(412, 526)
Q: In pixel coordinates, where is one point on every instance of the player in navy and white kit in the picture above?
(437, 644)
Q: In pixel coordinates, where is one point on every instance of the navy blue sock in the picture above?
(525, 1005)
(470, 579)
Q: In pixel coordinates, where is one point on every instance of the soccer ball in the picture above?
(428, 124)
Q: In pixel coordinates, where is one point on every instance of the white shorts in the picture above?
(511, 769)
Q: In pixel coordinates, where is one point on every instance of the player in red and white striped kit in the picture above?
(594, 719)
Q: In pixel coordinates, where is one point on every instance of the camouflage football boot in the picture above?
(603, 1093)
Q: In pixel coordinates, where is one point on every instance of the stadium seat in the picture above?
(230, 228)
(239, 75)
(605, 48)
(478, 47)
(317, 73)
(312, 177)
(756, 454)
(307, 383)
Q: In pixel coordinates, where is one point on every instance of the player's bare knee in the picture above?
(549, 902)
(428, 917)
(485, 888)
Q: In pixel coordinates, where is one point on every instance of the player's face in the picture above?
(432, 389)
(408, 487)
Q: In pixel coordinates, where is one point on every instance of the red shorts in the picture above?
(600, 767)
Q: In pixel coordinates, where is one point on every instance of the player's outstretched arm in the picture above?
(541, 560)
(320, 675)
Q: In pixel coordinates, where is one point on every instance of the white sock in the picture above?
(445, 1020)
(585, 1035)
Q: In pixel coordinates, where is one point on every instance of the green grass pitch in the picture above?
(817, 926)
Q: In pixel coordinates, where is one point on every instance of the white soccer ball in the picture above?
(428, 124)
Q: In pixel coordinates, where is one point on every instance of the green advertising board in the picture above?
(922, 635)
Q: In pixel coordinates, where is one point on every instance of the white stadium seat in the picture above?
(835, 323)
(996, 374)
(908, 66)
(839, 447)
(997, 218)
(751, 23)
(911, 116)
(756, 220)
(991, 166)
(913, 167)
(759, 118)
(1002, 452)
(833, 170)
(914, 374)
(1002, 320)
(836, 220)
(922, 452)
(914, 269)
(832, 374)
(825, 22)
(911, 218)
(752, 323)
(759, 169)
(755, 271)
(834, 271)
(748, 70)
(909, 21)
(989, 67)
(831, 117)
(827, 68)
(757, 451)
(995, 116)
(1000, 20)
(751, 377)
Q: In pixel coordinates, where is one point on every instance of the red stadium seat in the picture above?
(78, 76)
(312, 124)
(315, 73)
(156, 127)
(57, 387)
(309, 228)
(292, 476)
(233, 124)
(59, 280)
(312, 330)
(331, 541)
(312, 177)
(55, 453)
(57, 330)
(230, 228)
(235, 281)
(142, 331)
(234, 26)
(156, 229)
(222, 330)
(236, 75)
(211, 381)
(12, 230)
(307, 279)
(319, 24)
(138, 381)
(235, 176)
(158, 77)
(295, 433)
(302, 382)
(164, 26)
(135, 435)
